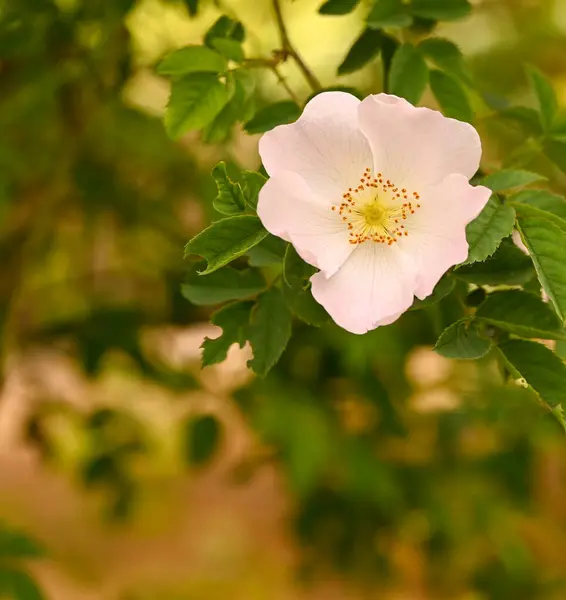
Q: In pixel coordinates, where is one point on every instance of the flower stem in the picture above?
(290, 50)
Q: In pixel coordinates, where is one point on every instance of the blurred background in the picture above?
(361, 468)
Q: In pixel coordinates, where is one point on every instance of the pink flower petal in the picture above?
(288, 208)
(324, 146)
(436, 237)
(417, 147)
(373, 287)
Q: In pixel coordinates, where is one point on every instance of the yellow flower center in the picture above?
(376, 210)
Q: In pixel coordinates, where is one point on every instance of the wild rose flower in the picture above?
(376, 195)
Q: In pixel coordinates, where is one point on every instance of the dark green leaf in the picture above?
(269, 331)
(238, 109)
(527, 118)
(194, 103)
(508, 179)
(192, 6)
(541, 368)
(409, 74)
(522, 314)
(203, 435)
(556, 152)
(485, 232)
(446, 56)
(234, 320)
(508, 266)
(338, 7)
(222, 285)
(268, 252)
(225, 240)
(543, 200)
(548, 104)
(389, 13)
(14, 544)
(451, 96)
(230, 198)
(364, 49)
(297, 289)
(224, 27)
(252, 184)
(192, 59)
(547, 246)
(527, 210)
(441, 290)
(462, 340)
(441, 10)
(229, 48)
(270, 116)
(18, 585)
(388, 50)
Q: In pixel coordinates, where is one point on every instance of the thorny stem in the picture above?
(273, 65)
(289, 49)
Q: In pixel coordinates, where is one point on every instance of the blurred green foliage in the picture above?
(96, 203)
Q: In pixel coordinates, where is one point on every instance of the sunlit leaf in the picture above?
(543, 200)
(547, 246)
(485, 232)
(192, 59)
(389, 13)
(508, 179)
(230, 198)
(521, 313)
(225, 240)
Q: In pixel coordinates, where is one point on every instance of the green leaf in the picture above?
(389, 13)
(338, 7)
(270, 116)
(548, 104)
(508, 179)
(238, 109)
(547, 246)
(14, 544)
(485, 232)
(222, 285)
(267, 253)
(224, 27)
(234, 320)
(522, 314)
(297, 289)
(194, 103)
(364, 49)
(527, 210)
(508, 266)
(556, 152)
(462, 340)
(225, 240)
(527, 118)
(441, 290)
(446, 56)
(230, 198)
(451, 96)
(229, 48)
(202, 438)
(441, 10)
(543, 200)
(192, 6)
(192, 59)
(269, 331)
(18, 585)
(540, 368)
(409, 74)
(252, 184)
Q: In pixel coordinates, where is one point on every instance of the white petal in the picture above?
(416, 147)
(324, 146)
(437, 230)
(289, 209)
(373, 287)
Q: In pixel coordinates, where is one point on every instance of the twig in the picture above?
(290, 50)
(284, 83)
